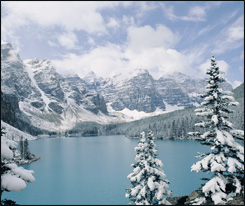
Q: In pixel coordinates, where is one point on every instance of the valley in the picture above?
(39, 100)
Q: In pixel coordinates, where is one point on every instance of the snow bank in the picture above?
(26, 175)
(14, 133)
(12, 183)
(6, 153)
(132, 115)
(6, 146)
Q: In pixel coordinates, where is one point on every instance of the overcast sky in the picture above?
(113, 37)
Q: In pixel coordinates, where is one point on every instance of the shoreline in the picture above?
(24, 162)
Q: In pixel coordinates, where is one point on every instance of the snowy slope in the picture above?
(15, 134)
(50, 101)
(56, 103)
(139, 91)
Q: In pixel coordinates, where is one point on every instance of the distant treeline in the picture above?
(172, 125)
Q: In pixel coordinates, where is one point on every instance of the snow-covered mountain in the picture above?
(48, 99)
(141, 92)
(56, 102)
(15, 134)
(135, 93)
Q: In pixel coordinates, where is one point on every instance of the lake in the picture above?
(94, 170)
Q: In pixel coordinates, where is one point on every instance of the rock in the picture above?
(177, 200)
(56, 107)
(238, 200)
(193, 195)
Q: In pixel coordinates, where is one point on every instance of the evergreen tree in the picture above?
(22, 148)
(149, 185)
(26, 150)
(13, 178)
(226, 157)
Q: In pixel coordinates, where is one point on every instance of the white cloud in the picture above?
(231, 37)
(204, 30)
(235, 33)
(102, 60)
(91, 41)
(113, 23)
(128, 20)
(144, 7)
(196, 13)
(68, 40)
(69, 15)
(52, 44)
(147, 37)
(145, 47)
(242, 55)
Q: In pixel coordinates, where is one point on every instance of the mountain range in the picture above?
(55, 102)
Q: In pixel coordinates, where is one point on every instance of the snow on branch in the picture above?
(217, 187)
(12, 183)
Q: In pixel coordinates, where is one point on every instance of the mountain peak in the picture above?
(139, 71)
(91, 77)
(177, 76)
(5, 43)
(8, 53)
(91, 74)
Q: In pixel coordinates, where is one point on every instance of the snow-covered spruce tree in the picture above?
(13, 178)
(149, 185)
(226, 157)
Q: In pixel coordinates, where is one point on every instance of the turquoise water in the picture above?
(93, 170)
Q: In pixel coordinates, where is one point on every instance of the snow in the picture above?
(217, 167)
(215, 119)
(146, 175)
(233, 104)
(233, 163)
(143, 191)
(226, 155)
(12, 183)
(216, 186)
(170, 108)
(202, 163)
(220, 136)
(6, 146)
(6, 153)
(26, 175)
(132, 115)
(229, 139)
(14, 178)
(204, 113)
(12, 56)
(217, 197)
(31, 75)
(205, 134)
(200, 124)
(238, 186)
(228, 97)
(209, 98)
(226, 122)
(151, 184)
(199, 201)
(135, 190)
(14, 133)
(237, 132)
